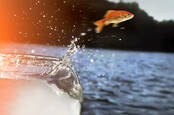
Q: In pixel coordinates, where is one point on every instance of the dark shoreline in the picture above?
(100, 48)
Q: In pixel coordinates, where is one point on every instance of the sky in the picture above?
(159, 9)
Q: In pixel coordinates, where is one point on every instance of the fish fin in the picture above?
(100, 25)
(115, 25)
(108, 12)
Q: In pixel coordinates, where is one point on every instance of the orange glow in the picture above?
(29, 21)
(11, 19)
(8, 28)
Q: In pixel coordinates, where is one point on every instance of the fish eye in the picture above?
(128, 14)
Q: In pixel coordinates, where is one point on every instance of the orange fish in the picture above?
(113, 17)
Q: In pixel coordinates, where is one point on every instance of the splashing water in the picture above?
(57, 71)
(73, 48)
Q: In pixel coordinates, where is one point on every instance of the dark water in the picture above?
(127, 83)
(120, 82)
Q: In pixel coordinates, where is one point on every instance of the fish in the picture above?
(113, 17)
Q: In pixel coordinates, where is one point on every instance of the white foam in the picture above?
(36, 98)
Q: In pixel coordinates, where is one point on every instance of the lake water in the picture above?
(118, 82)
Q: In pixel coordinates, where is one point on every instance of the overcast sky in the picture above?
(159, 9)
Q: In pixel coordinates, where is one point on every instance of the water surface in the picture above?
(119, 82)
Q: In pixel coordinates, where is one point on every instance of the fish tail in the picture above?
(100, 25)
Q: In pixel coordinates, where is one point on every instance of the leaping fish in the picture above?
(113, 17)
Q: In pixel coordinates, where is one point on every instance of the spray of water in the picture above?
(57, 71)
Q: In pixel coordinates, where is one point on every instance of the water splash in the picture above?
(72, 49)
(55, 71)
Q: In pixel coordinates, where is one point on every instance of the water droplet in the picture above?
(32, 51)
(83, 46)
(37, 2)
(89, 29)
(91, 60)
(20, 32)
(44, 16)
(122, 28)
(83, 34)
(1, 59)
